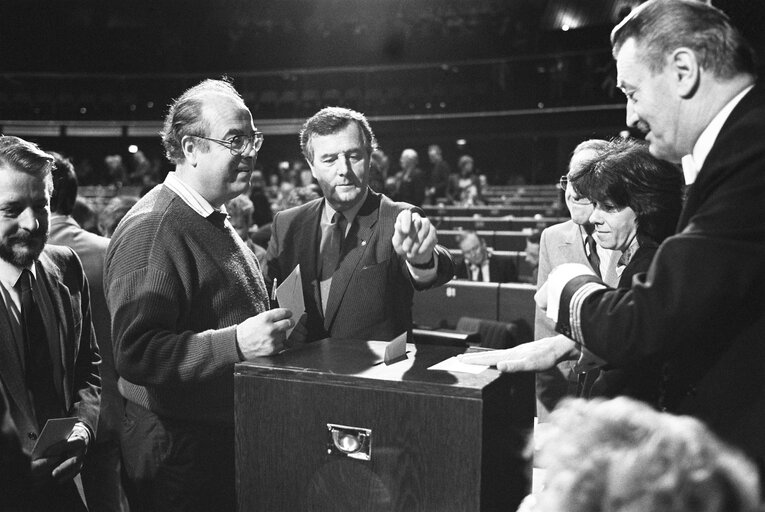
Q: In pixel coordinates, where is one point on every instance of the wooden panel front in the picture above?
(426, 449)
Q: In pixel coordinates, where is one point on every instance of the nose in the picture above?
(28, 220)
(595, 217)
(632, 117)
(343, 165)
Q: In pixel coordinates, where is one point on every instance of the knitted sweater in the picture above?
(177, 286)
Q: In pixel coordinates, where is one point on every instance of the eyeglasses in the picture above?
(240, 144)
(583, 201)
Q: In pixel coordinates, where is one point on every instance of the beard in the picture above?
(23, 248)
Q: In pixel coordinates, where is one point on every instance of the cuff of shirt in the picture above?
(81, 430)
(424, 276)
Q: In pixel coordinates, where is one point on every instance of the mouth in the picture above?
(644, 128)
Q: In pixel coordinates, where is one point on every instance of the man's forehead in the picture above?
(226, 112)
(347, 138)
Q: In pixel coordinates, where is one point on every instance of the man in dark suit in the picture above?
(101, 473)
(48, 352)
(478, 264)
(700, 308)
(361, 255)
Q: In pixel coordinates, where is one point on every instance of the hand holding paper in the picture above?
(290, 295)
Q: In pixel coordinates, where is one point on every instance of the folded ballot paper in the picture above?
(290, 295)
(55, 431)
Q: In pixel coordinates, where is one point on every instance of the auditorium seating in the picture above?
(442, 307)
(508, 223)
(498, 240)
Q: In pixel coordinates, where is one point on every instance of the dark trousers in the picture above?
(101, 477)
(177, 465)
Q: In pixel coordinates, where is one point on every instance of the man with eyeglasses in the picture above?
(478, 264)
(569, 242)
(187, 301)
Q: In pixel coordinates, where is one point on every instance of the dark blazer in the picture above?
(372, 290)
(75, 352)
(501, 270)
(641, 380)
(91, 249)
(700, 307)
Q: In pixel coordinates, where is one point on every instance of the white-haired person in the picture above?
(621, 455)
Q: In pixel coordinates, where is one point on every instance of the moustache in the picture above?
(24, 237)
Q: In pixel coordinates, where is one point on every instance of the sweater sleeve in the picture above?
(148, 350)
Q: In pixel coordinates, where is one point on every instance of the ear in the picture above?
(686, 71)
(190, 148)
(313, 171)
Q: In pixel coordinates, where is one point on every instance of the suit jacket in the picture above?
(91, 249)
(372, 290)
(701, 305)
(561, 243)
(501, 270)
(641, 380)
(73, 348)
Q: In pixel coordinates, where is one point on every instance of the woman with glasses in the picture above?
(636, 201)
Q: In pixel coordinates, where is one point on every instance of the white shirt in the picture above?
(693, 163)
(190, 196)
(484, 268)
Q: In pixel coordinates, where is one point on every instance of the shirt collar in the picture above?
(9, 273)
(189, 196)
(629, 252)
(349, 214)
(693, 163)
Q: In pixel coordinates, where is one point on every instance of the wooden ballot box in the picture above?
(330, 427)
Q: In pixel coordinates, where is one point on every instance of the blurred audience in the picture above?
(438, 178)
(478, 263)
(532, 255)
(113, 212)
(240, 211)
(378, 170)
(85, 215)
(409, 184)
(465, 187)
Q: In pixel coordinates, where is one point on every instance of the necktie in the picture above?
(39, 366)
(479, 274)
(331, 247)
(218, 218)
(593, 254)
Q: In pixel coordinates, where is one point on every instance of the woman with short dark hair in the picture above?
(636, 200)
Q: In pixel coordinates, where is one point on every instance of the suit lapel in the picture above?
(572, 245)
(62, 353)
(307, 229)
(354, 247)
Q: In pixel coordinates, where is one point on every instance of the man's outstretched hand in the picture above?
(535, 356)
